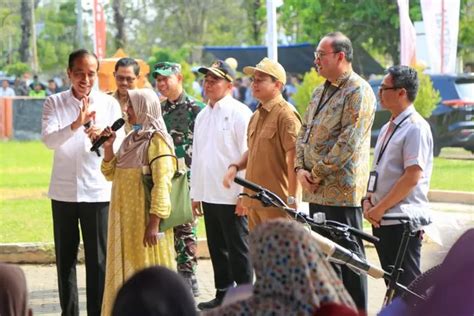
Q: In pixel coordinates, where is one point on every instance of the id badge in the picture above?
(372, 185)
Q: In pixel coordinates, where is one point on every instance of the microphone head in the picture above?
(117, 124)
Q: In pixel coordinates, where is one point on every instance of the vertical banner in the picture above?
(441, 20)
(407, 35)
(99, 29)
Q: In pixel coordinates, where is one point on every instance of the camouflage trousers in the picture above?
(185, 245)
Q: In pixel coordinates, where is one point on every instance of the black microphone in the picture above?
(249, 185)
(102, 139)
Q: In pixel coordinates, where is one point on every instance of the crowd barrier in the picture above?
(20, 118)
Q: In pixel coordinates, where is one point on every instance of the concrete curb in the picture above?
(451, 197)
(43, 253)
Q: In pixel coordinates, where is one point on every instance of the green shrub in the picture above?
(17, 69)
(428, 97)
(304, 90)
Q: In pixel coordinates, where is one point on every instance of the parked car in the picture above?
(452, 121)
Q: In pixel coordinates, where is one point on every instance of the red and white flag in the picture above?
(407, 35)
(441, 21)
(99, 29)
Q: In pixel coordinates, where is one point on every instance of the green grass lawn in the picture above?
(25, 212)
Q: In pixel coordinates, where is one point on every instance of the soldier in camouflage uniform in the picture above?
(179, 112)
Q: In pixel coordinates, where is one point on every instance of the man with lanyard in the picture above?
(333, 147)
(179, 112)
(400, 178)
(126, 74)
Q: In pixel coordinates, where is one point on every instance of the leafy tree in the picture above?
(17, 69)
(177, 56)
(373, 22)
(304, 90)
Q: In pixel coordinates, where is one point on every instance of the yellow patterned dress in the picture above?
(127, 221)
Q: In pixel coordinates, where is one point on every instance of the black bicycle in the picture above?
(412, 294)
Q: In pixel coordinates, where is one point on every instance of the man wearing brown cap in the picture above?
(272, 134)
(220, 134)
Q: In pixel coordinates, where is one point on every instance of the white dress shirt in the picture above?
(76, 175)
(220, 138)
(411, 144)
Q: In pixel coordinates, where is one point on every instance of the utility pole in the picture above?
(35, 65)
(272, 48)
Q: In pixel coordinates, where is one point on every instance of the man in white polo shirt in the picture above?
(400, 177)
(79, 192)
(220, 135)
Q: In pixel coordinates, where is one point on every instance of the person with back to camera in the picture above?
(292, 276)
(154, 291)
(134, 240)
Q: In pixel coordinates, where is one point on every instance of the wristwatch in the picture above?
(290, 200)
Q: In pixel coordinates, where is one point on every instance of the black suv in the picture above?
(452, 121)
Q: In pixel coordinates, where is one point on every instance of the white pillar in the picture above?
(272, 33)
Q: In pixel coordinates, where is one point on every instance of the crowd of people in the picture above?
(24, 86)
(321, 158)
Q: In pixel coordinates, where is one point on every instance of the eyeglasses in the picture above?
(383, 88)
(319, 55)
(259, 81)
(128, 79)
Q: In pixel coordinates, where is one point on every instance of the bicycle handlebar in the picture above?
(278, 202)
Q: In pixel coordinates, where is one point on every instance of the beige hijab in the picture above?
(134, 150)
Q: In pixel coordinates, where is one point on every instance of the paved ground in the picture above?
(42, 280)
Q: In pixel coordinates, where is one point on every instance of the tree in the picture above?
(119, 19)
(372, 23)
(428, 97)
(256, 15)
(26, 14)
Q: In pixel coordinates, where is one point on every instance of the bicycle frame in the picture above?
(268, 198)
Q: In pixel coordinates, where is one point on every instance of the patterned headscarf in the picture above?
(13, 291)
(293, 277)
(134, 150)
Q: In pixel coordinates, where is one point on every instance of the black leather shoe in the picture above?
(210, 304)
(216, 302)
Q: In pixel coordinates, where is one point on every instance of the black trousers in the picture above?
(355, 284)
(227, 239)
(92, 218)
(387, 248)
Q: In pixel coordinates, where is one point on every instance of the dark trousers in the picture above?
(355, 284)
(227, 239)
(93, 220)
(387, 248)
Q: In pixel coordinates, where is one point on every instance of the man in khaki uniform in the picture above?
(272, 134)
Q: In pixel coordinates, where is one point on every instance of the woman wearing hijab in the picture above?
(134, 241)
(13, 291)
(293, 277)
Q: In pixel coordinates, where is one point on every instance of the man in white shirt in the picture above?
(6, 90)
(400, 177)
(79, 192)
(220, 135)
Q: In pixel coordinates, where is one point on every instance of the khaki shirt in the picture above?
(272, 132)
(335, 144)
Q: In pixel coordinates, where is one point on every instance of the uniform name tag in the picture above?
(372, 185)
